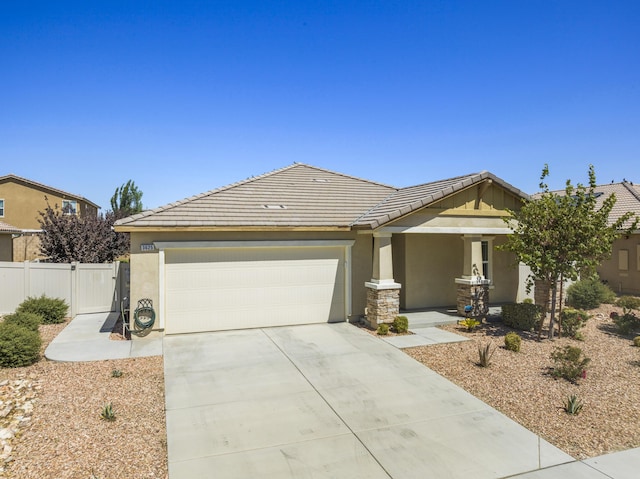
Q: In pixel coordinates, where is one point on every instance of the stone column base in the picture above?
(383, 303)
(472, 293)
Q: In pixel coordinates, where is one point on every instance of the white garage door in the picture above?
(234, 288)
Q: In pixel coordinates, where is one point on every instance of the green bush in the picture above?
(512, 341)
(19, 346)
(528, 300)
(628, 302)
(589, 294)
(522, 316)
(570, 363)
(401, 324)
(29, 321)
(626, 323)
(636, 341)
(383, 329)
(51, 310)
(470, 323)
(572, 320)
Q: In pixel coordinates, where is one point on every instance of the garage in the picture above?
(219, 286)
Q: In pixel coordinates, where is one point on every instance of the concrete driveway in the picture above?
(329, 401)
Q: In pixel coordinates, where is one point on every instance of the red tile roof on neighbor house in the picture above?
(302, 196)
(7, 228)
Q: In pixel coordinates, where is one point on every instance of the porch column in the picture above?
(383, 293)
(472, 287)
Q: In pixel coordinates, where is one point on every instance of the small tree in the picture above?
(560, 236)
(127, 200)
(87, 239)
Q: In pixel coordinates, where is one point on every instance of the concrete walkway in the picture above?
(423, 325)
(86, 338)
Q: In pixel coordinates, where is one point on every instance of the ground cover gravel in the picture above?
(520, 386)
(63, 436)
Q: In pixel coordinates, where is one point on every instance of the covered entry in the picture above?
(212, 286)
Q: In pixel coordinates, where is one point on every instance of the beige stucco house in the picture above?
(6, 241)
(622, 270)
(21, 200)
(304, 245)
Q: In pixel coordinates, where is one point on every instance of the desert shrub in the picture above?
(484, 355)
(470, 323)
(636, 341)
(572, 320)
(19, 346)
(589, 294)
(29, 321)
(627, 322)
(570, 363)
(512, 341)
(401, 324)
(51, 310)
(522, 316)
(383, 329)
(573, 405)
(628, 302)
(528, 300)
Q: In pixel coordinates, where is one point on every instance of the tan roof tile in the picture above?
(7, 228)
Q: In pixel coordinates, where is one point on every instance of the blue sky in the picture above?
(186, 96)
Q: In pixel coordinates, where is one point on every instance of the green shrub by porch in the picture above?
(51, 310)
(401, 324)
(522, 316)
(29, 321)
(19, 346)
(589, 294)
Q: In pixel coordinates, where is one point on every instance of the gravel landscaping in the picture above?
(50, 424)
(520, 386)
(61, 434)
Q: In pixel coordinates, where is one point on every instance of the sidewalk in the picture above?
(86, 338)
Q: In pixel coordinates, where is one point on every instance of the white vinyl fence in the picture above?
(87, 288)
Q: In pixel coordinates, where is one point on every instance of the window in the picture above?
(623, 260)
(485, 259)
(69, 207)
(1, 208)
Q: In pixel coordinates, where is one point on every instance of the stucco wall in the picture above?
(6, 247)
(22, 204)
(145, 269)
(427, 265)
(620, 280)
(429, 268)
(506, 275)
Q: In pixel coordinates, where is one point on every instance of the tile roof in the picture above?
(7, 228)
(409, 199)
(64, 194)
(295, 196)
(302, 196)
(627, 198)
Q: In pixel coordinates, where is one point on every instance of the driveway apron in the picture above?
(329, 401)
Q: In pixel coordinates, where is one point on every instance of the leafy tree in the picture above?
(563, 236)
(87, 239)
(127, 200)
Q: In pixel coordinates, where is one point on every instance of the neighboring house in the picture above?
(21, 200)
(6, 241)
(622, 271)
(306, 245)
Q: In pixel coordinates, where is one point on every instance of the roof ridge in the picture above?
(175, 204)
(345, 175)
(631, 190)
(51, 188)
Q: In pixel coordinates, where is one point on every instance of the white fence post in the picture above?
(74, 289)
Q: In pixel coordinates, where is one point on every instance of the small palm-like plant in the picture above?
(573, 405)
(484, 353)
(108, 414)
(116, 373)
